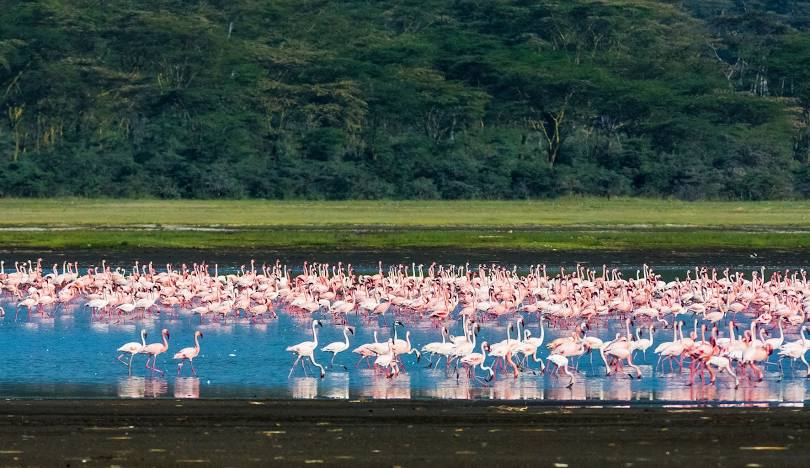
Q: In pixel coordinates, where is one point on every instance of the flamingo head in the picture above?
(198, 333)
(485, 346)
(350, 330)
(398, 323)
(318, 323)
(144, 333)
(165, 333)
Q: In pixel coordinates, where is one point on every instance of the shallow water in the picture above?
(70, 355)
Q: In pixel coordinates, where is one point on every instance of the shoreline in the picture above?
(415, 432)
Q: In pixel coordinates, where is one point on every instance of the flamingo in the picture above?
(98, 304)
(756, 353)
(189, 353)
(388, 359)
(156, 349)
(643, 344)
(339, 346)
(795, 350)
(306, 349)
(562, 363)
(133, 348)
(474, 360)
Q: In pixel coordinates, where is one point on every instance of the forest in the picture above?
(413, 99)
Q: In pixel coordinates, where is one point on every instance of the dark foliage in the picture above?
(414, 99)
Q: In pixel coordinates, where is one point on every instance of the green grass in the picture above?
(562, 212)
(411, 238)
(566, 224)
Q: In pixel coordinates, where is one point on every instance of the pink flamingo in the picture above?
(189, 353)
(473, 360)
(155, 349)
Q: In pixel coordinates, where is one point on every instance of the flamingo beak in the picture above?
(351, 330)
(320, 324)
(201, 335)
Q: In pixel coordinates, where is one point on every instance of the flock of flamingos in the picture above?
(705, 312)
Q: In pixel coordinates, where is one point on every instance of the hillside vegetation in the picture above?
(417, 99)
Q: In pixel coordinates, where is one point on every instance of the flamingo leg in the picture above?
(304, 365)
(293, 366)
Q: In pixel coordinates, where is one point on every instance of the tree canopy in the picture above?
(411, 99)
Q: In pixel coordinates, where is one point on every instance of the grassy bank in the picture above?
(565, 224)
(562, 212)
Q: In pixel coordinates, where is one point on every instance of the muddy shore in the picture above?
(390, 433)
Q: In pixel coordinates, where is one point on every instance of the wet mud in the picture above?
(391, 433)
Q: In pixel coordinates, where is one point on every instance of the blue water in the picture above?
(69, 355)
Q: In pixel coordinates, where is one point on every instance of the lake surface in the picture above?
(71, 355)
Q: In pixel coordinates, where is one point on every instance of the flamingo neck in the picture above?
(197, 342)
(314, 334)
(484, 358)
(542, 331)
